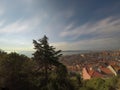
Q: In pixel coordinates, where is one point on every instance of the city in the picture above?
(102, 64)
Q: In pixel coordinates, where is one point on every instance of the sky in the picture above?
(69, 24)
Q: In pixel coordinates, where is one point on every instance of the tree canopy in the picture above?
(45, 55)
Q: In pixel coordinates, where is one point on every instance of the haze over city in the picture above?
(69, 24)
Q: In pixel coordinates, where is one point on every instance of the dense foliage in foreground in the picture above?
(112, 83)
(45, 72)
(18, 72)
(41, 72)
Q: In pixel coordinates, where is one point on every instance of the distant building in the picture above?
(89, 73)
(102, 72)
(112, 70)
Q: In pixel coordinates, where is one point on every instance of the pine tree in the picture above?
(46, 56)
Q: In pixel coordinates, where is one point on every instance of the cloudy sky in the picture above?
(69, 24)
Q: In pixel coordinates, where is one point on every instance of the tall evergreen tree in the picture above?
(46, 56)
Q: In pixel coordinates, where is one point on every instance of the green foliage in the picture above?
(14, 71)
(18, 72)
(86, 88)
(118, 83)
(61, 72)
(42, 72)
(45, 56)
(101, 84)
(96, 83)
(111, 82)
(79, 79)
(56, 75)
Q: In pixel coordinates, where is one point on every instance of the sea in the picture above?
(69, 52)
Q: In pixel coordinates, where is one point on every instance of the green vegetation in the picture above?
(44, 72)
(112, 83)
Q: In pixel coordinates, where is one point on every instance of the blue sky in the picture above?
(69, 24)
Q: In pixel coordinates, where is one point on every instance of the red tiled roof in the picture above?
(93, 73)
(106, 70)
(90, 72)
(116, 67)
(97, 74)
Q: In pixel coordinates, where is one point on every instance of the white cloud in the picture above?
(104, 29)
(60, 45)
(14, 27)
(20, 25)
(93, 44)
(105, 26)
(2, 23)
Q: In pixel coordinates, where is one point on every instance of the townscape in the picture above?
(102, 64)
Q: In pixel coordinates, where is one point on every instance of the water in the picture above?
(29, 53)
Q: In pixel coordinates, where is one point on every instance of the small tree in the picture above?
(45, 55)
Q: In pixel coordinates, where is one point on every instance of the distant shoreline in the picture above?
(66, 52)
